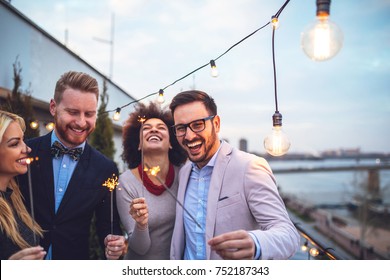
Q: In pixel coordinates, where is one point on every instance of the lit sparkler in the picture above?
(29, 161)
(142, 120)
(154, 172)
(111, 184)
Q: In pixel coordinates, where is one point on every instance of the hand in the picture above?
(33, 253)
(115, 246)
(139, 212)
(234, 245)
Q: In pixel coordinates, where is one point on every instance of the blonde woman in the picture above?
(17, 228)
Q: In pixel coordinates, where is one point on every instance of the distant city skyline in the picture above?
(343, 103)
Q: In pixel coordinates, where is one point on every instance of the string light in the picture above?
(274, 22)
(117, 114)
(48, 125)
(214, 70)
(160, 97)
(197, 69)
(276, 143)
(314, 252)
(34, 124)
(322, 39)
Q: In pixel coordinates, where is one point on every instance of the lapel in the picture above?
(78, 178)
(183, 181)
(215, 187)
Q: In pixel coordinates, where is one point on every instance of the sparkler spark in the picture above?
(141, 119)
(111, 183)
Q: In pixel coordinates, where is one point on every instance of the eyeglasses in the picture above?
(195, 126)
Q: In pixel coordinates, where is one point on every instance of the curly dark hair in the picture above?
(131, 131)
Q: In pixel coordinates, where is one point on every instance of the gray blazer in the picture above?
(242, 195)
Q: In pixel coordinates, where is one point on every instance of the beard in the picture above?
(208, 149)
(68, 137)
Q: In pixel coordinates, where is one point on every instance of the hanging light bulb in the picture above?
(277, 143)
(274, 22)
(34, 124)
(322, 39)
(214, 70)
(160, 97)
(117, 114)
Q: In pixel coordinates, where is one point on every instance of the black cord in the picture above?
(197, 69)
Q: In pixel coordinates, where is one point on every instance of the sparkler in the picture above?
(154, 172)
(142, 120)
(29, 161)
(111, 184)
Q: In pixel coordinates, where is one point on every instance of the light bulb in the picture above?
(314, 252)
(49, 126)
(117, 114)
(322, 39)
(214, 70)
(274, 22)
(160, 97)
(34, 124)
(277, 143)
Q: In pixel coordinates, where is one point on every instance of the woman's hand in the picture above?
(139, 212)
(33, 253)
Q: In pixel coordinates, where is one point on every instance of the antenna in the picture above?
(111, 43)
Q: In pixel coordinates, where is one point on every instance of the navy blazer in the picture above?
(68, 229)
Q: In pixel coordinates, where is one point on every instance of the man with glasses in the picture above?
(228, 203)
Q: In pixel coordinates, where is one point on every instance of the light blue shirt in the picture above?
(195, 202)
(63, 168)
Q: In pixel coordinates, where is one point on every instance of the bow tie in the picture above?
(57, 150)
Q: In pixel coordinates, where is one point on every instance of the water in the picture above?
(330, 187)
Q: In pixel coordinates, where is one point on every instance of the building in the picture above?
(43, 60)
(243, 145)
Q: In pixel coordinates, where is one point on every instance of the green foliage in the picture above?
(102, 137)
(20, 102)
(102, 140)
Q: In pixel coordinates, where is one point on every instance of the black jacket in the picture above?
(68, 229)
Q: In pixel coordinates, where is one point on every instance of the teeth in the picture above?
(22, 160)
(154, 138)
(191, 145)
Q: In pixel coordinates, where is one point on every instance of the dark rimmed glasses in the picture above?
(196, 126)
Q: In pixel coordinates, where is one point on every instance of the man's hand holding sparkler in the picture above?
(139, 212)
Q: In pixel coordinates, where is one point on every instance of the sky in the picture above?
(341, 103)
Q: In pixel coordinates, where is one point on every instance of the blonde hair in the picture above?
(8, 223)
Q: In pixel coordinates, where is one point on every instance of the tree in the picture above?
(102, 140)
(20, 102)
(102, 137)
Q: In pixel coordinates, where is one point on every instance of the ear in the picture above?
(52, 107)
(217, 123)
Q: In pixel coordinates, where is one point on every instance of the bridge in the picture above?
(332, 168)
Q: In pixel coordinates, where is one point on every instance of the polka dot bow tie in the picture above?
(57, 150)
